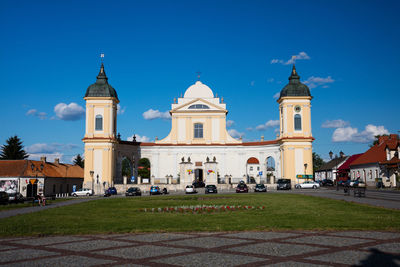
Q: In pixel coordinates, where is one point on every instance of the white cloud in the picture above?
(229, 123)
(70, 112)
(152, 114)
(51, 151)
(268, 124)
(300, 56)
(50, 157)
(235, 134)
(34, 112)
(139, 138)
(349, 134)
(277, 95)
(249, 129)
(120, 110)
(335, 124)
(314, 82)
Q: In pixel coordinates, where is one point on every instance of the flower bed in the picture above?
(201, 209)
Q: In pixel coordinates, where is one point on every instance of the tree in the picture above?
(126, 168)
(79, 161)
(13, 149)
(317, 161)
(376, 140)
(144, 168)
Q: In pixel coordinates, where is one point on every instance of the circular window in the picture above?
(297, 108)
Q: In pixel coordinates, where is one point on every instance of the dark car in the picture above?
(133, 191)
(15, 198)
(112, 190)
(211, 189)
(326, 182)
(242, 188)
(380, 184)
(199, 184)
(155, 190)
(260, 188)
(3, 198)
(284, 184)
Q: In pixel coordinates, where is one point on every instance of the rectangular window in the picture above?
(251, 168)
(99, 123)
(198, 130)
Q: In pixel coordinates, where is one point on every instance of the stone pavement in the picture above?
(284, 248)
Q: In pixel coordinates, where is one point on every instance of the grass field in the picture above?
(282, 212)
(12, 206)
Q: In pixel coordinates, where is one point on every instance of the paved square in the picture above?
(67, 261)
(4, 247)
(22, 254)
(262, 235)
(387, 248)
(92, 245)
(50, 240)
(154, 237)
(328, 240)
(276, 249)
(295, 264)
(207, 242)
(141, 252)
(350, 257)
(369, 234)
(209, 259)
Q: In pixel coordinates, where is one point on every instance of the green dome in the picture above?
(101, 88)
(295, 87)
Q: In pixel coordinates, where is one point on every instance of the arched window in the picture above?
(99, 123)
(297, 122)
(199, 106)
(198, 130)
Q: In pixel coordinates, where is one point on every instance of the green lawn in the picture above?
(282, 212)
(12, 206)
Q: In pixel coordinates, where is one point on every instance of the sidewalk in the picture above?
(284, 248)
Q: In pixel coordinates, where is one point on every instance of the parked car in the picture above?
(107, 193)
(344, 183)
(3, 198)
(284, 184)
(82, 192)
(242, 188)
(133, 191)
(357, 183)
(326, 182)
(199, 184)
(16, 198)
(112, 190)
(211, 189)
(307, 184)
(155, 190)
(260, 188)
(190, 189)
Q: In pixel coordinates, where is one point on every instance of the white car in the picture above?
(308, 184)
(82, 192)
(190, 189)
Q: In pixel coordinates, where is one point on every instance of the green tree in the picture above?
(126, 168)
(79, 161)
(13, 149)
(317, 161)
(144, 168)
(376, 140)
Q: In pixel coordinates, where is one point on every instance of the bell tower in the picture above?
(295, 128)
(100, 134)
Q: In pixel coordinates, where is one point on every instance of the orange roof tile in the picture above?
(17, 168)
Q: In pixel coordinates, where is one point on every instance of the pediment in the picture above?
(187, 107)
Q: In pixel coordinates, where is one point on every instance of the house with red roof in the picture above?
(379, 163)
(344, 169)
(31, 177)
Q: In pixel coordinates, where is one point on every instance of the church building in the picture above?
(198, 147)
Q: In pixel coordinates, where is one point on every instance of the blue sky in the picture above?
(49, 54)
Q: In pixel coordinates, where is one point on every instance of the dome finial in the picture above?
(198, 75)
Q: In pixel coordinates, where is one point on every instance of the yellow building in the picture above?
(198, 147)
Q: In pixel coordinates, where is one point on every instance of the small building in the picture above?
(31, 177)
(330, 169)
(344, 170)
(379, 163)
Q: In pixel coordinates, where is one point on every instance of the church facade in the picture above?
(198, 147)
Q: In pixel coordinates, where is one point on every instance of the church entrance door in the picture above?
(198, 175)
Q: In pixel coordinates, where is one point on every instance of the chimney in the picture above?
(262, 137)
(383, 138)
(57, 161)
(43, 159)
(341, 154)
